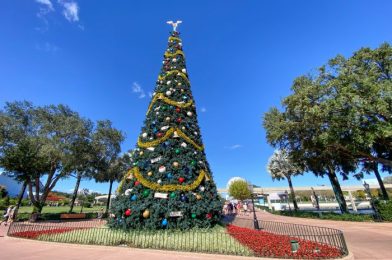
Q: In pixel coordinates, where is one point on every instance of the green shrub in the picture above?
(384, 207)
(327, 215)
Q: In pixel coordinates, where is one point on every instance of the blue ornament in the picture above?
(155, 130)
(133, 197)
(169, 175)
(183, 198)
(164, 222)
(184, 97)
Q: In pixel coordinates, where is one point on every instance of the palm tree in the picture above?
(281, 167)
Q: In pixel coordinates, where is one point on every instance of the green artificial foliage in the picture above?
(239, 190)
(170, 179)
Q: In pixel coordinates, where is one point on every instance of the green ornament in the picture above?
(193, 215)
(146, 193)
(172, 195)
(164, 108)
(177, 151)
(135, 163)
(193, 163)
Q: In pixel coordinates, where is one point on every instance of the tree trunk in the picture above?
(75, 193)
(109, 195)
(292, 193)
(20, 196)
(380, 182)
(337, 190)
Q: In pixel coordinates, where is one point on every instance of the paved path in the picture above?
(365, 241)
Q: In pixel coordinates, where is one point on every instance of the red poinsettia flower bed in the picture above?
(267, 244)
(35, 234)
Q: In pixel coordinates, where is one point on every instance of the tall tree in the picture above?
(107, 146)
(339, 118)
(280, 166)
(239, 190)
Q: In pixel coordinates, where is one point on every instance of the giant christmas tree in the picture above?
(170, 184)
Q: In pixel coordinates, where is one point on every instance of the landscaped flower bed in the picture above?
(36, 233)
(273, 245)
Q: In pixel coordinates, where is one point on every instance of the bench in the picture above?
(73, 216)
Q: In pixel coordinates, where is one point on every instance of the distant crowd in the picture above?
(237, 208)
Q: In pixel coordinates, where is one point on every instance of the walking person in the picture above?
(6, 216)
(245, 206)
(11, 215)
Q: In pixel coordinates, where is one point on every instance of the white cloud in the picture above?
(46, 3)
(203, 109)
(70, 10)
(233, 147)
(47, 47)
(136, 88)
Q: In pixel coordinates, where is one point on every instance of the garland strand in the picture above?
(168, 187)
(166, 136)
(178, 52)
(179, 73)
(171, 38)
(168, 101)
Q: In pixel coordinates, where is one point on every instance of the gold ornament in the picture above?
(198, 196)
(175, 164)
(141, 153)
(146, 213)
(169, 187)
(149, 173)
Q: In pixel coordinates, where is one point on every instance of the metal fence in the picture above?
(236, 239)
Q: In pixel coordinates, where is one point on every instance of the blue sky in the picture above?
(102, 59)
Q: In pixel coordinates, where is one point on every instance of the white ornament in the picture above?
(168, 82)
(157, 108)
(160, 195)
(163, 128)
(183, 145)
(144, 135)
(179, 84)
(128, 192)
(183, 128)
(159, 181)
(150, 138)
(162, 169)
(195, 133)
(180, 43)
(183, 70)
(202, 188)
(167, 118)
(168, 93)
(189, 113)
(157, 113)
(151, 149)
(174, 60)
(175, 134)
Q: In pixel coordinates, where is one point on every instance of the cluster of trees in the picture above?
(50, 143)
(338, 121)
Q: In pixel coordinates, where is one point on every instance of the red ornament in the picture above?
(178, 110)
(181, 179)
(208, 215)
(179, 120)
(128, 212)
(159, 134)
(137, 183)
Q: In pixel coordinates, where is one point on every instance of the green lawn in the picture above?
(61, 209)
(212, 241)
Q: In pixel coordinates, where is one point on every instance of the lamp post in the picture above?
(255, 221)
(288, 201)
(316, 199)
(367, 189)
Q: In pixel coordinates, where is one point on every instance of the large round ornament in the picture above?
(144, 135)
(193, 162)
(189, 113)
(178, 110)
(202, 188)
(133, 197)
(181, 179)
(208, 215)
(146, 213)
(128, 212)
(149, 173)
(183, 144)
(159, 134)
(172, 195)
(198, 197)
(162, 169)
(167, 118)
(128, 192)
(168, 93)
(179, 120)
(193, 215)
(137, 183)
(175, 164)
(159, 181)
(169, 175)
(177, 151)
(183, 70)
(164, 222)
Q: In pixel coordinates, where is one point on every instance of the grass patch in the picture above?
(61, 209)
(214, 240)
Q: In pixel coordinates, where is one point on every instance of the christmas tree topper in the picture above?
(174, 24)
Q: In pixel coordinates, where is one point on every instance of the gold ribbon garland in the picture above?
(171, 38)
(178, 52)
(168, 187)
(166, 136)
(168, 101)
(172, 72)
